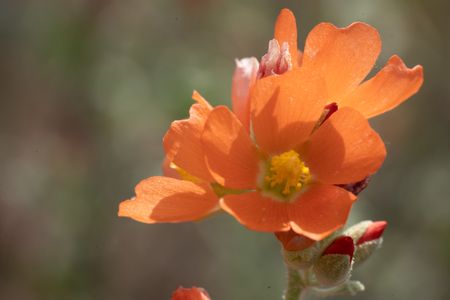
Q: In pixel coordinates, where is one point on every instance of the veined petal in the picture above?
(231, 156)
(286, 32)
(343, 56)
(163, 199)
(285, 109)
(344, 149)
(243, 78)
(257, 212)
(182, 141)
(320, 211)
(388, 88)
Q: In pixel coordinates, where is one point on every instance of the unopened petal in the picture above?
(243, 79)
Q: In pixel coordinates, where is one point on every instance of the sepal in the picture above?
(348, 288)
(335, 264)
(365, 250)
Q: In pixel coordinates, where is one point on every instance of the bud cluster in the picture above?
(326, 266)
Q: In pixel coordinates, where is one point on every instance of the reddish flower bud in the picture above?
(373, 232)
(292, 241)
(193, 293)
(342, 245)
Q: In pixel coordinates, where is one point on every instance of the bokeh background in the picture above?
(88, 89)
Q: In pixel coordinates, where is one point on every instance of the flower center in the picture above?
(287, 173)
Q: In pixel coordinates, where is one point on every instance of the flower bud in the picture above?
(193, 293)
(335, 264)
(356, 231)
(369, 241)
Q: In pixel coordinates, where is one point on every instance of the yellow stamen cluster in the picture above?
(287, 171)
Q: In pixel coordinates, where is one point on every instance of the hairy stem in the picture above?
(295, 285)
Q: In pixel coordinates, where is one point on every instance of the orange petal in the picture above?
(164, 199)
(286, 32)
(257, 212)
(200, 100)
(344, 149)
(299, 58)
(243, 79)
(285, 109)
(320, 211)
(231, 156)
(182, 141)
(343, 56)
(391, 86)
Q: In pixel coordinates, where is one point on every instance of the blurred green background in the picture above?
(88, 89)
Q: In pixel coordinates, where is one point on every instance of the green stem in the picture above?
(295, 285)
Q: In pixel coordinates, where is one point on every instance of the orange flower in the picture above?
(286, 180)
(278, 162)
(193, 293)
